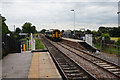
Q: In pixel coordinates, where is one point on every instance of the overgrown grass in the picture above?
(111, 50)
(107, 49)
(38, 44)
(97, 46)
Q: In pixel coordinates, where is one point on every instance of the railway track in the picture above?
(107, 66)
(68, 68)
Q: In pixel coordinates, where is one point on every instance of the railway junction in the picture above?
(64, 60)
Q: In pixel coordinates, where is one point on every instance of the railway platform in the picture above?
(42, 66)
(80, 44)
(108, 57)
(73, 40)
(29, 65)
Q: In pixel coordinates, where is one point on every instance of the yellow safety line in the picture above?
(34, 68)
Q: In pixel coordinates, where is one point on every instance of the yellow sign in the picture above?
(23, 47)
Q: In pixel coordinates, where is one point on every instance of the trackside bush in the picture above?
(118, 42)
(106, 36)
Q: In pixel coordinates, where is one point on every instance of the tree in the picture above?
(28, 28)
(102, 29)
(94, 33)
(5, 29)
(43, 31)
(113, 31)
(88, 31)
(33, 29)
(18, 30)
(118, 42)
(106, 36)
(62, 31)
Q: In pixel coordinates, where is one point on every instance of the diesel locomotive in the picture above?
(54, 35)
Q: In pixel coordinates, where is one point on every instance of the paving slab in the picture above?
(16, 65)
(47, 68)
(43, 67)
(74, 40)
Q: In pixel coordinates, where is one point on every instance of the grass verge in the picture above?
(107, 49)
(38, 44)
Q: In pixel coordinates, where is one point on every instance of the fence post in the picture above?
(101, 45)
(119, 55)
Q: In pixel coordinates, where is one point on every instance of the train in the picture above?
(54, 35)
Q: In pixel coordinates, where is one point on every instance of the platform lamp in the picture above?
(74, 20)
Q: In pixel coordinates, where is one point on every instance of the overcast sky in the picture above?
(51, 14)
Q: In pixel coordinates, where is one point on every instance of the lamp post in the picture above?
(118, 12)
(14, 28)
(118, 45)
(74, 20)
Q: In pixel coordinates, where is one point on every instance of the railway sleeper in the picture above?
(59, 58)
(97, 61)
(102, 63)
(67, 65)
(64, 66)
(106, 65)
(75, 74)
(109, 67)
(71, 71)
(114, 70)
(78, 78)
(67, 68)
(63, 63)
(117, 73)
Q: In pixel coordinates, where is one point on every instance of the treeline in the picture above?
(26, 28)
(112, 31)
(5, 29)
(29, 28)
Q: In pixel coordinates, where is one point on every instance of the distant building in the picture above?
(79, 35)
(67, 34)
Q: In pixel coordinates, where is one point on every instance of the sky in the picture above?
(57, 14)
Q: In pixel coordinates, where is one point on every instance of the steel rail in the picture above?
(94, 62)
(61, 70)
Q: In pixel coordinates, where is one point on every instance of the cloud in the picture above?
(59, 0)
(54, 14)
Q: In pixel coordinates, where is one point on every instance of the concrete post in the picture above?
(32, 43)
(88, 39)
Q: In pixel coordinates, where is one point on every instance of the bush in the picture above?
(118, 42)
(106, 36)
